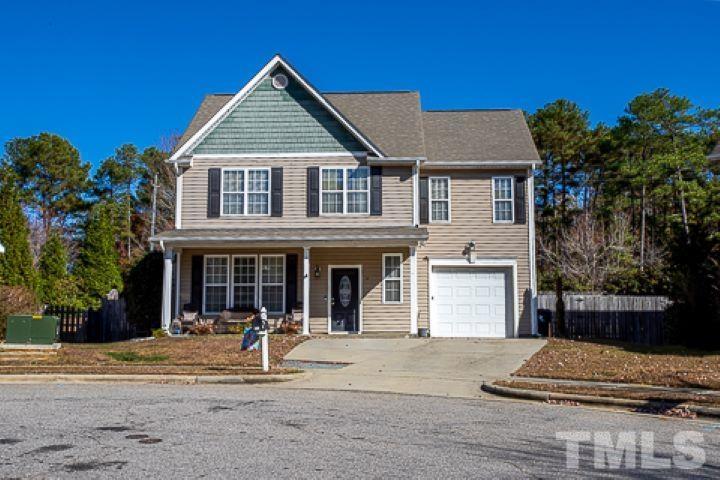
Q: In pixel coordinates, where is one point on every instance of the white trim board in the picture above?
(213, 156)
(274, 62)
(360, 298)
(479, 263)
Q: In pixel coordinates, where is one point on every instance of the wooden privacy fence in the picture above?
(628, 318)
(106, 324)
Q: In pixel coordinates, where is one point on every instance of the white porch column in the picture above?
(178, 257)
(306, 290)
(531, 253)
(167, 288)
(413, 292)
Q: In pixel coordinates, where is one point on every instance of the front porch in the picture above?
(335, 285)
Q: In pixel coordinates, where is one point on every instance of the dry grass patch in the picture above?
(213, 354)
(599, 361)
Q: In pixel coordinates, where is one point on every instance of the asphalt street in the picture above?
(163, 431)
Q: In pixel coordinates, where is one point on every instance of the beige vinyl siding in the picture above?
(397, 195)
(376, 316)
(471, 219)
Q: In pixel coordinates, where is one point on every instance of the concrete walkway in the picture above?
(441, 367)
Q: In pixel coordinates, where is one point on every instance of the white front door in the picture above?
(469, 302)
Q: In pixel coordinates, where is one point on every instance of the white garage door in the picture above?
(469, 302)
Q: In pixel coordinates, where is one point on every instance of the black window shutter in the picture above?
(375, 190)
(313, 191)
(291, 267)
(520, 200)
(277, 191)
(213, 205)
(196, 281)
(424, 201)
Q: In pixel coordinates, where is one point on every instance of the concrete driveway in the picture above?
(442, 367)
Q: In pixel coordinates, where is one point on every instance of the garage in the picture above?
(471, 301)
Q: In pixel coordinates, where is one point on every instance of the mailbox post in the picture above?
(262, 328)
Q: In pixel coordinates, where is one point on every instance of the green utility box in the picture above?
(32, 329)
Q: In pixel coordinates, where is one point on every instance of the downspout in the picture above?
(531, 252)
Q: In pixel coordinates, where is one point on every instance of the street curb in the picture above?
(155, 379)
(544, 396)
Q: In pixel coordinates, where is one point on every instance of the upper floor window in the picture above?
(439, 199)
(502, 199)
(345, 190)
(246, 191)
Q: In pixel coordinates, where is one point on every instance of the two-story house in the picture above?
(359, 209)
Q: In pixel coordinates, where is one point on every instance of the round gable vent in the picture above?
(280, 81)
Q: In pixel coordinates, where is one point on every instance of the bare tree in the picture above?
(589, 253)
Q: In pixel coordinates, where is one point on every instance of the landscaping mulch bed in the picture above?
(624, 392)
(196, 355)
(601, 361)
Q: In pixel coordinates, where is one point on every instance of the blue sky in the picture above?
(105, 73)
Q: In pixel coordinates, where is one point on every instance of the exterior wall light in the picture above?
(317, 271)
(470, 251)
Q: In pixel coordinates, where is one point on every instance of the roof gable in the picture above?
(260, 119)
(269, 120)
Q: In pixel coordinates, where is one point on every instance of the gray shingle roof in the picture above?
(391, 120)
(210, 105)
(293, 234)
(477, 136)
(394, 122)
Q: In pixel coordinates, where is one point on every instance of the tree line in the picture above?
(632, 208)
(70, 236)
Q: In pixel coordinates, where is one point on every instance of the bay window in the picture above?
(244, 282)
(215, 283)
(272, 283)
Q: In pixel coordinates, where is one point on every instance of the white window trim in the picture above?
(232, 279)
(511, 199)
(205, 284)
(430, 199)
(345, 191)
(261, 284)
(245, 192)
(384, 279)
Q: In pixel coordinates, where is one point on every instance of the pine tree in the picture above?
(98, 268)
(53, 268)
(16, 264)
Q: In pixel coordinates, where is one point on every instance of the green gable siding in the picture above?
(278, 121)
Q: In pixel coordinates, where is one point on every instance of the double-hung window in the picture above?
(272, 283)
(246, 191)
(502, 199)
(345, 190)
(216, 284)
(439, 199)
(392, 278)
(244, 282)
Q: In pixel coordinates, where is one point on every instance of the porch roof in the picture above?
(359, 236)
